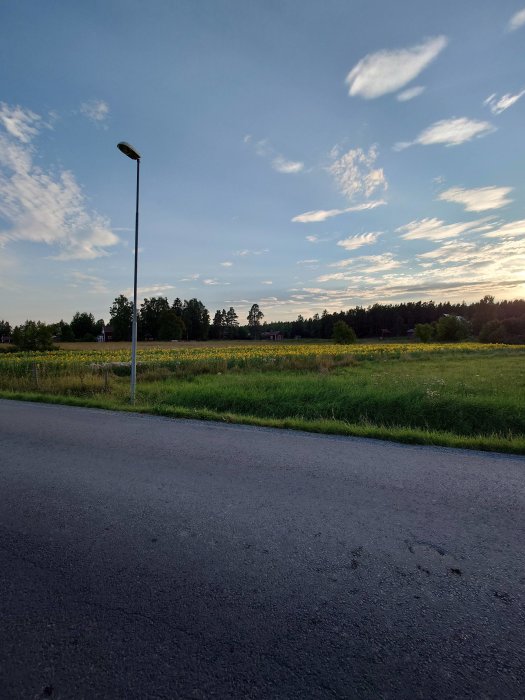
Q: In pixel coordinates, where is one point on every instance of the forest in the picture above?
(158, 319)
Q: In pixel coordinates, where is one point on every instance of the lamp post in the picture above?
(129, 151)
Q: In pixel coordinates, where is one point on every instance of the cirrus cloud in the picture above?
(450, 132)
(517, 20)
(359, 240)
(387, 71)
(317, 215)
(499, 105)
(478, 198)
(435, 229)
(410, 93)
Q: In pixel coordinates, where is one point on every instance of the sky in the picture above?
(302, 155)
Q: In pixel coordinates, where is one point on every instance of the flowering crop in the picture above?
(213, 357)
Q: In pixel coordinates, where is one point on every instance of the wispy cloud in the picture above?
(191, 278)
(478, 198)
(450, 132)
(359, 240)
(387, 71)
(287, 166)
(22, 124)
(264, 149)
(44, 207)
(95, 285)
(457, 270)
(410, 93)
(318, 215)
(226, 263)
(354, 172)
(435, 229)
(311, 261)
(96, 111)
(511, 229)
(499, 105)
(245, 252)
(517, 20)
(211, 282)
(363, 267)
(267, 282)
(152, 290)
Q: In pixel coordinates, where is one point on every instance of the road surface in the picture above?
(143, 557)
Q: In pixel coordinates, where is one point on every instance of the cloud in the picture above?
(410, 93)
(22, 124)
(363, 267)
(152, 290)
(517, 20)
(307, 262)
(318, 215)
(226, 263)
(497, 106)
(354, 242)
(478, 198)
(245, 252)
(44, 207)
(509, 230)
(96, 111)
(264, 149)
(267, 282)
(96, 285)
(286, 166)
(191, 278)
(387, 71)
(354, 173)
(434, 229)
(450, 132)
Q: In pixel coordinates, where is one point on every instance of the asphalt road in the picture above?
(143, 557)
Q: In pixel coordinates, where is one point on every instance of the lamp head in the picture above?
(128, 150)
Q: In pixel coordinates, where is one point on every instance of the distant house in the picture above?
(107, 335)
(272, 335)
(5, 339)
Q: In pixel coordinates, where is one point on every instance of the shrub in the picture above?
(453, 328)
(424, 332)
(343, 333)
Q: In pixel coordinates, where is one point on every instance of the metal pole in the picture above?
(134, 322)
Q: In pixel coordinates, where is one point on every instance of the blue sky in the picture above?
(301, 155)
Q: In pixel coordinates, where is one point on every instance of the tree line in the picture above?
(158, 319)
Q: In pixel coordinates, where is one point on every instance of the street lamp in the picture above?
(129, 151)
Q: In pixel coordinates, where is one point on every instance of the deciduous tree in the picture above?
(121, 316)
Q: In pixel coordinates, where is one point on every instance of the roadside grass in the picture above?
(472, 400)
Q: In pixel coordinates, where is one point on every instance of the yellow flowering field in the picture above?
(257, 355)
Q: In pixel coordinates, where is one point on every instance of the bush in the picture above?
(33, 335)
(453, 328)
(343, 333)
(424, 332)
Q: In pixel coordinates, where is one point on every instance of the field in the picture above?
(464, 395)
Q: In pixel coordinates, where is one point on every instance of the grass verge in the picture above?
(401, 434)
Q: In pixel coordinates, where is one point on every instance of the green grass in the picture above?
(471, 401)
